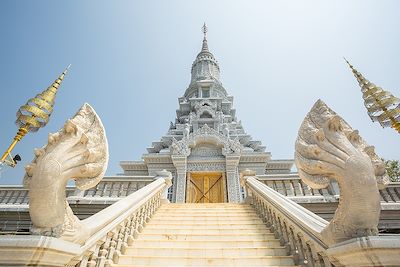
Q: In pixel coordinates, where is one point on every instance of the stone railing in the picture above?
(117, 187)
(292, 186)
(18, 195)
(300, 231)
(108, 233)
(298, 228)
(391, 193)
(110, 187)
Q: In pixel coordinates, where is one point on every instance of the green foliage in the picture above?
(393, 170)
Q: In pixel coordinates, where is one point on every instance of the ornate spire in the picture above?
(33, 115)
(381, 105)
(205, 67)
(204, 48)
(36, 112)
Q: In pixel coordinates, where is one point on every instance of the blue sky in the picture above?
(131, 61)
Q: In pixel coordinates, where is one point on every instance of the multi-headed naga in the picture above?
(78, 151)
(327, 148)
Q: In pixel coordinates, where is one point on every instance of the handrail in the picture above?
(111, 230)
(298, 228)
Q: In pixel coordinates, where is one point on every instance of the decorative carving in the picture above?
(180, 147)
(78, 151)
(205, 134)
(206, 152)
(186, 130)
(206, 166)
(328, 148)
(225, 130)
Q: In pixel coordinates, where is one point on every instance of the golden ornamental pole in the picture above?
(33, 115)
(381, 105)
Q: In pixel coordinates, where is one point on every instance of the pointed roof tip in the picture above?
(348, 63)
(204, 47)
(204, 30)
(67, 69)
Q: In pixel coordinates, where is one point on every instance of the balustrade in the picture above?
(298, 229)
(116, 227)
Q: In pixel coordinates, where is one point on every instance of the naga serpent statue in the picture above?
(327, 148)
(78, 151)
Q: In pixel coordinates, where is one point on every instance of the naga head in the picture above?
(326, 147)
(78, 151)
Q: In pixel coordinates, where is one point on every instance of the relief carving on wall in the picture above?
(207, 135)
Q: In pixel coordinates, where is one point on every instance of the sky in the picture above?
(131, 61)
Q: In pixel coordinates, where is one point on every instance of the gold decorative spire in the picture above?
(381, 105)
(34, 114)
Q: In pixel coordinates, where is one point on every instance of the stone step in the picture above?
(205, 261)
(206, 251)
(207, 231)
(204, 226)
(206, 206)
(198, 244)
(208, 237)
(207, 209)
(188, 220)
(232, 216)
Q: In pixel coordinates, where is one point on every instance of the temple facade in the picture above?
(206, 147)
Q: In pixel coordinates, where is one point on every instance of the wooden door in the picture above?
(205, 188)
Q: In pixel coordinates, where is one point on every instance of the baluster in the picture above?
(135, 228)
(295, 250)
(325, 259)
(290, 247)
(120, 241)
(99, 189)
(113, 246)
(289, 188)
(317, 259)
(269, 217)
(284, 236)
(141, 219)
(299, 248)
(308, 253)
(298, 190)
(103, 251)
(280, 187)
(264, 212)
(385, 195)
(127, 234)
(302, 249)
(306, 189)
(85, 258)
(92, 254)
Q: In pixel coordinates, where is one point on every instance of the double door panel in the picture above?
(205, 188)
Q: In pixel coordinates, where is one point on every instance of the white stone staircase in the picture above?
(220, 234)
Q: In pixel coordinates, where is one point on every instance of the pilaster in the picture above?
(180, 163)
(232, 178)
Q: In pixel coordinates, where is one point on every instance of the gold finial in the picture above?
(34, 115)
(204, 30)
(381, 105)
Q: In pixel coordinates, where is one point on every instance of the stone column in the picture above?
(232, 178)
(180, 165)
